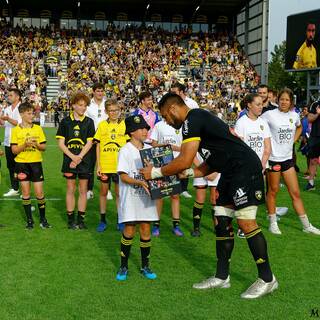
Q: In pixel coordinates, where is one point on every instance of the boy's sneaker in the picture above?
(186, 194)
(11, 193)
(102, 226)
(122, 274)
(240, 234)
(109, 195)
(195, 233)
(177, 231)
(29, 225)
(82, 225)
(312, 229)
(147, 273)
(273, 228)
(44, 224)
(72, 225)
(120, 226)
(89, 194)
(309, 187)
(155, 231)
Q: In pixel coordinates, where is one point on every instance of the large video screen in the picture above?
(303, 41)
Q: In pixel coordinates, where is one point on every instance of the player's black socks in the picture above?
(103, 217)
(145, 247)
(175, 222)
(224, 246)
(157, 224)
(125, 248)
(258, 247)
(42, 208)
(223, 250)
(81, 216)
(70, 215)
(27, 208)
(197, 212)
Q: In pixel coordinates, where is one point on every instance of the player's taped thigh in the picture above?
(223, 211)
(224, 229)
(247, 213)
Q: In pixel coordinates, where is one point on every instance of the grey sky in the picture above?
(278, 12)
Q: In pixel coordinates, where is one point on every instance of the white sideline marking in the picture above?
(18, 199)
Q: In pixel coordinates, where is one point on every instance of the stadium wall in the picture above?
(252, 33)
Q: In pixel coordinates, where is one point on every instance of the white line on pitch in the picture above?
(15, 199)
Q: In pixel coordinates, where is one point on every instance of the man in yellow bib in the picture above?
(306, 57)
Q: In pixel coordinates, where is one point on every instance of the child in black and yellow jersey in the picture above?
(75, 135)
(27, 143)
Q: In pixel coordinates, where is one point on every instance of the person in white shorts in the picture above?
(285, 127)
(135, 204)
(163, 134)
(201, 184)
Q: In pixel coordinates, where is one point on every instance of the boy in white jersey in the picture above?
(285, 130)
(135, 203)
(163, 134)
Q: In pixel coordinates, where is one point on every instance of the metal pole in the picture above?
(264, 45)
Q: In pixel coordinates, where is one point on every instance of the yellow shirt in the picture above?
(111, 137)
(18, 137)
(306, 57)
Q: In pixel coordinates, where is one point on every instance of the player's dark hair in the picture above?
(249, 98)
(169, 99)
(310, 22)
(262, 86)
(25, 106)
(16, 91)
(289, 92)
(179, 86)
(79, 96)
(144, 94)
(97, 85)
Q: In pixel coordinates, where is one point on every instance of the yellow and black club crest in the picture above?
(258, 195)
(291, 120)
(262, 127)
(136, 119)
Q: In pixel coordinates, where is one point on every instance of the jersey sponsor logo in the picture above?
(185, 127)
(240, 197)
(285, 135)
(205, 153)
(255, 143)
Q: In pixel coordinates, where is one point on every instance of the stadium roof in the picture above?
(135, 9)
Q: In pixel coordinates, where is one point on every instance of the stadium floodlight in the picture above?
(148, 6)
(78, 4)
(197, 8)
(7, 1)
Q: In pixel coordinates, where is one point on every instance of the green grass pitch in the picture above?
(64, 274)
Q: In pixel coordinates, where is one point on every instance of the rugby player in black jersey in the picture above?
(241, 187)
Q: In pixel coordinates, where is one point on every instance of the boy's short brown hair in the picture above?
(78, 97)
(25, 106)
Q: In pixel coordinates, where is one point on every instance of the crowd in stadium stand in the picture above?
(216, 72)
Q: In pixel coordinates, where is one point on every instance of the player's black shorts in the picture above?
(108, 177)
(75, 175)
(29, 171)
(314, 147)
(240, 190)
(275, 166)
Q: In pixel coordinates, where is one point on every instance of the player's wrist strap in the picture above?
(156, 173)
(189, 173)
